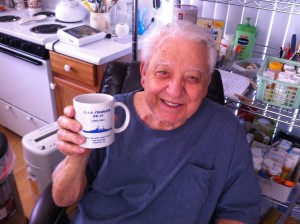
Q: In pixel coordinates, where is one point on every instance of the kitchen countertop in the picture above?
(97, 53)
(100, 52)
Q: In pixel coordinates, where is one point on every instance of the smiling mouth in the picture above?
(171, 104)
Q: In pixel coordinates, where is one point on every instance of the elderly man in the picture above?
(183, 158)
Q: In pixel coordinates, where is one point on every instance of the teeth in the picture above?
(171, 104)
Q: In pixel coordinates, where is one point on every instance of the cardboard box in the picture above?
(274, 190)
(213, 27)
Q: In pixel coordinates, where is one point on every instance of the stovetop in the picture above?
(24, 31)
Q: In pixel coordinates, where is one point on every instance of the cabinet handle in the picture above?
(52, 86)
(67, 68)
(28, 118)
(7, 107)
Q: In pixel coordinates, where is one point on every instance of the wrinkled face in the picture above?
(176, 80)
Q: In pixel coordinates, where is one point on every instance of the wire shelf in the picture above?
(284, 6)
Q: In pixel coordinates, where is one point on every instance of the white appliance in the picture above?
(70, 11)
(27, 98)
(41, 155)
(80, 35)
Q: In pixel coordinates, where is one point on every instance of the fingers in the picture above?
(67, 121)
(70, 149)
(69, 140)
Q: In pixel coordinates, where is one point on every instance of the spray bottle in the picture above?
(245, 36)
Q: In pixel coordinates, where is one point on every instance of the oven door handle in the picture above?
(20, 56)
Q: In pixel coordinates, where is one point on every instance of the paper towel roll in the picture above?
(122, 29)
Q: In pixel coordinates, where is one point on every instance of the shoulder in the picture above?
(217, 111)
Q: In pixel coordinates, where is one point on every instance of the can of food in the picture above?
(185, 12)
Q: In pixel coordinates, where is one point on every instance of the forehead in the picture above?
(181, 52)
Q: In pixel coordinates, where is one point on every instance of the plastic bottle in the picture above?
(226, 45)
(266, 164)
(276, 67)
(245, 36)
(274, 171)
(287, 168)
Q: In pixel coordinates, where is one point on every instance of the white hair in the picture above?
(182, 29)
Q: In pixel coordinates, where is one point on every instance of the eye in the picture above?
(193, 77)
(162, 74)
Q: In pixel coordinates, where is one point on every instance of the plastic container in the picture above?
(185, 12)
(274, 171)
(292, 97)
(226, 45)
(11, 211)
(287, 168)
(266, 164)
(269, 85)
(247, 67)
(245, 36)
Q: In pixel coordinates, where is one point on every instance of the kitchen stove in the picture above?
(9, 18)
(27, 98)
(47, 13)
(47, 28)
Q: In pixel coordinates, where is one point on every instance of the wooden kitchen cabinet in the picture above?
(73, 77)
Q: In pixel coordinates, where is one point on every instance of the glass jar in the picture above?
(19, 4)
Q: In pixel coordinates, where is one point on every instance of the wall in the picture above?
(275, 29)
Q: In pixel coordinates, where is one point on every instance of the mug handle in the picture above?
(127, 119)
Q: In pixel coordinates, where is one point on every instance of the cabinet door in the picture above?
(65, 92)
(17, 120)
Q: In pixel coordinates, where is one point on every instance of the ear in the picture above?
(143, 72)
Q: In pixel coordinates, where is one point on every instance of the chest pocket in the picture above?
(184, 197)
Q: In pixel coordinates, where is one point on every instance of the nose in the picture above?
(176, 87)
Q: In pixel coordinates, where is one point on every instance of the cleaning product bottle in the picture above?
(245, 36)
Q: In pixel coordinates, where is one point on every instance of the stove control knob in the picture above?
(13, 43)
(67, 68)
(25, 46)
(4, 40)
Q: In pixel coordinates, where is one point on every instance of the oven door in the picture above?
(25, 87)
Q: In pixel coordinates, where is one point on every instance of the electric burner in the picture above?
(9, 18)
(47, 13)
(47, 28)
(60, 21)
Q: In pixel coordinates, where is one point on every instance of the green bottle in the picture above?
(245, 36)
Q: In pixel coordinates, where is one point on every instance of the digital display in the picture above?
(82, 31)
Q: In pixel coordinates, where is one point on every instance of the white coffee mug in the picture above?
(95, 112)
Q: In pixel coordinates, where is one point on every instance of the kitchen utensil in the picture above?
(111, 3)
(70, 11)
(88, 6)
(31, 19)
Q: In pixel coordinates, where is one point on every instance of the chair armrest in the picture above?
(45, 210)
